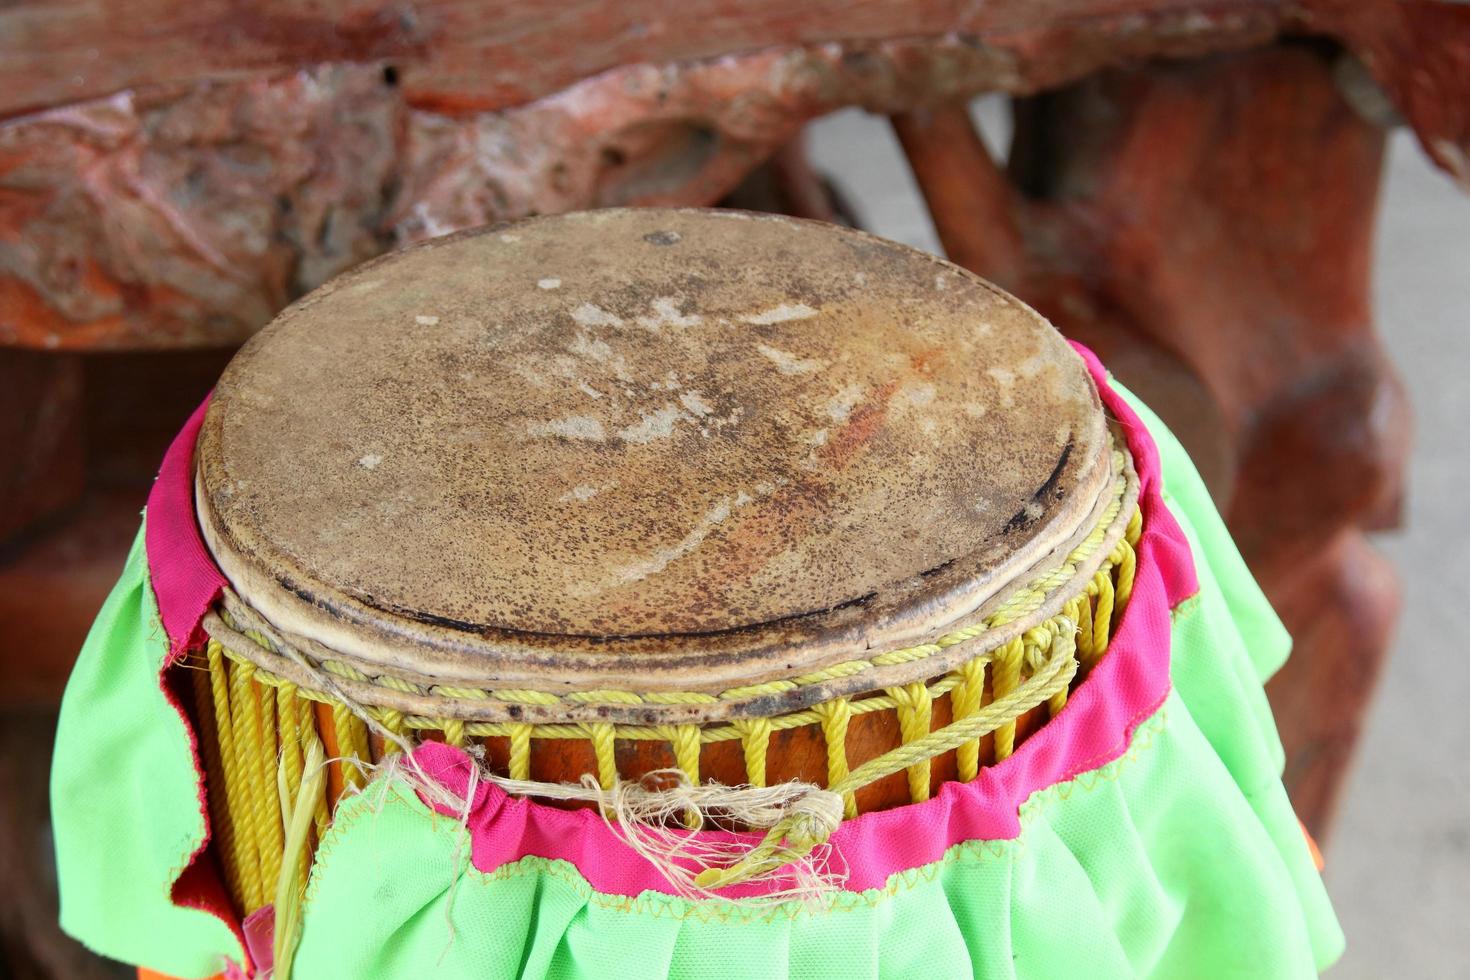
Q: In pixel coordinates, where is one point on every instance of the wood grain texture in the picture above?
(459, 56)
(172, 175)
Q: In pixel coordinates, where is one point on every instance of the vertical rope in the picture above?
(603, 737)
(1125, 562)
(965, 701)
(836, 715)
(236, 796)
(289, 724)
(1102, 616)
(258, 771)
(267, 754)
(1074, 611)
(1037, 643)
(222, 826)
(292, 766)
(296, 845)
(1134, 530)
(1006, 678)
(755, 739)
(251, 732)
(362, 744)
(685, 742)
(351, 734)
(520, 750)
(306, 722)
(248, 805)
(344, 725)
(1087, 651)
(915, 717)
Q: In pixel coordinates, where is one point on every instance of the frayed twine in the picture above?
(793, 859)
(645, 814)
(642, 812)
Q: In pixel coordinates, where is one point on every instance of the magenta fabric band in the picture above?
(1126, 687)
(186, 581)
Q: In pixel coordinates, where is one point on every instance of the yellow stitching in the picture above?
(252, 832)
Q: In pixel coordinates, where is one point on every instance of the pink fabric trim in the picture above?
(1127, 687)
(186, 581)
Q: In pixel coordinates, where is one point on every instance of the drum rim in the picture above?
(383, 642)
(1063, 573)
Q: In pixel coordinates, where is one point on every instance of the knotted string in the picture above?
(793, 857)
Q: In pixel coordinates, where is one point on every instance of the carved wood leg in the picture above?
(1217, 216)
(787, 183)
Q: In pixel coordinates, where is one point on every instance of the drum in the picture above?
(681, 527)
(587, 493)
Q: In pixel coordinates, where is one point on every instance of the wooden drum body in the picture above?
(608, 493)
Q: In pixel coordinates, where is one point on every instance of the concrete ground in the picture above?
(1399, 866)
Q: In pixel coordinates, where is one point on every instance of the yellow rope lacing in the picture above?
(255, 726)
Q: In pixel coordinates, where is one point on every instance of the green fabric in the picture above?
(124, 803)
(1267, 643)
(1181, 859)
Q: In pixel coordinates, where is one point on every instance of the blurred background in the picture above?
(1257, 213)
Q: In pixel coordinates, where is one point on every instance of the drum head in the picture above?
(665, 448)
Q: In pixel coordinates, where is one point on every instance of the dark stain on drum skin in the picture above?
(930, 572)
(1025, 517)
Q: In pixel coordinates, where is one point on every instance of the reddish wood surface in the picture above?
(171, 176)
(474, 57)
(1220, 215)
